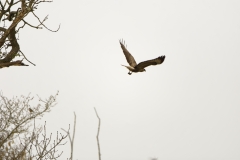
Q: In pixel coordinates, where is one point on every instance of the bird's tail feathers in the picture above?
(125, 66)
(129, 67)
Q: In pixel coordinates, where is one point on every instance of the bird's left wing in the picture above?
(155, 61)
(130, 59)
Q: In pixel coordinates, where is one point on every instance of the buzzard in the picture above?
(140, 67)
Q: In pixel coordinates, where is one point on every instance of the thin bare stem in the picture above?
(69, 136)
(27, 59)
(74, 128)
(99, 123)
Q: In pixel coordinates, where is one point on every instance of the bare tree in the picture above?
(20, 138)
(13, 15)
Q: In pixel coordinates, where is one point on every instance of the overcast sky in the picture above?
(186, 108)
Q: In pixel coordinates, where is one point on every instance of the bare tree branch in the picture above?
(26, 58)
(41, 23)
(99, 123)
(17, 140)
(14, 12)
(71, 139)
(14, 63)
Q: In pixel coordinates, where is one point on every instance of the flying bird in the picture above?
(140, 67)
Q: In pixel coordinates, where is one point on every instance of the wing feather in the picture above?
(147, 63)
(129, 57)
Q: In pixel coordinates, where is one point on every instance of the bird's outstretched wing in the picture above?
(155, 61)
(129, 57)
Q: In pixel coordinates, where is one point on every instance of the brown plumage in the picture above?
(30, 110)
(134, 67)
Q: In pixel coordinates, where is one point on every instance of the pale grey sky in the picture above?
(187, 108)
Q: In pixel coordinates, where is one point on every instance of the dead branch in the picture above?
(14, 20)
(13, 43)
(14, 63)
(41, 23)
(26, 58)
(99, 123)
(69, 136)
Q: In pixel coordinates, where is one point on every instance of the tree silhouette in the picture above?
(13, 15)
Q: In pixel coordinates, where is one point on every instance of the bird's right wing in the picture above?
(129, 57)
(155, 61)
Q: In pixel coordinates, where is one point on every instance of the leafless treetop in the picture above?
(13, 15)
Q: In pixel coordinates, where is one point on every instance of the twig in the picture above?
(41, 23)
(73, 136)
(71, 139)
(26, 58)
(37, 27)
(99, 123)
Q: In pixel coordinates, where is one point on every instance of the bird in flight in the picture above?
(140, 67)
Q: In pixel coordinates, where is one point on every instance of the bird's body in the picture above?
(134, 67)
(30, 110)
